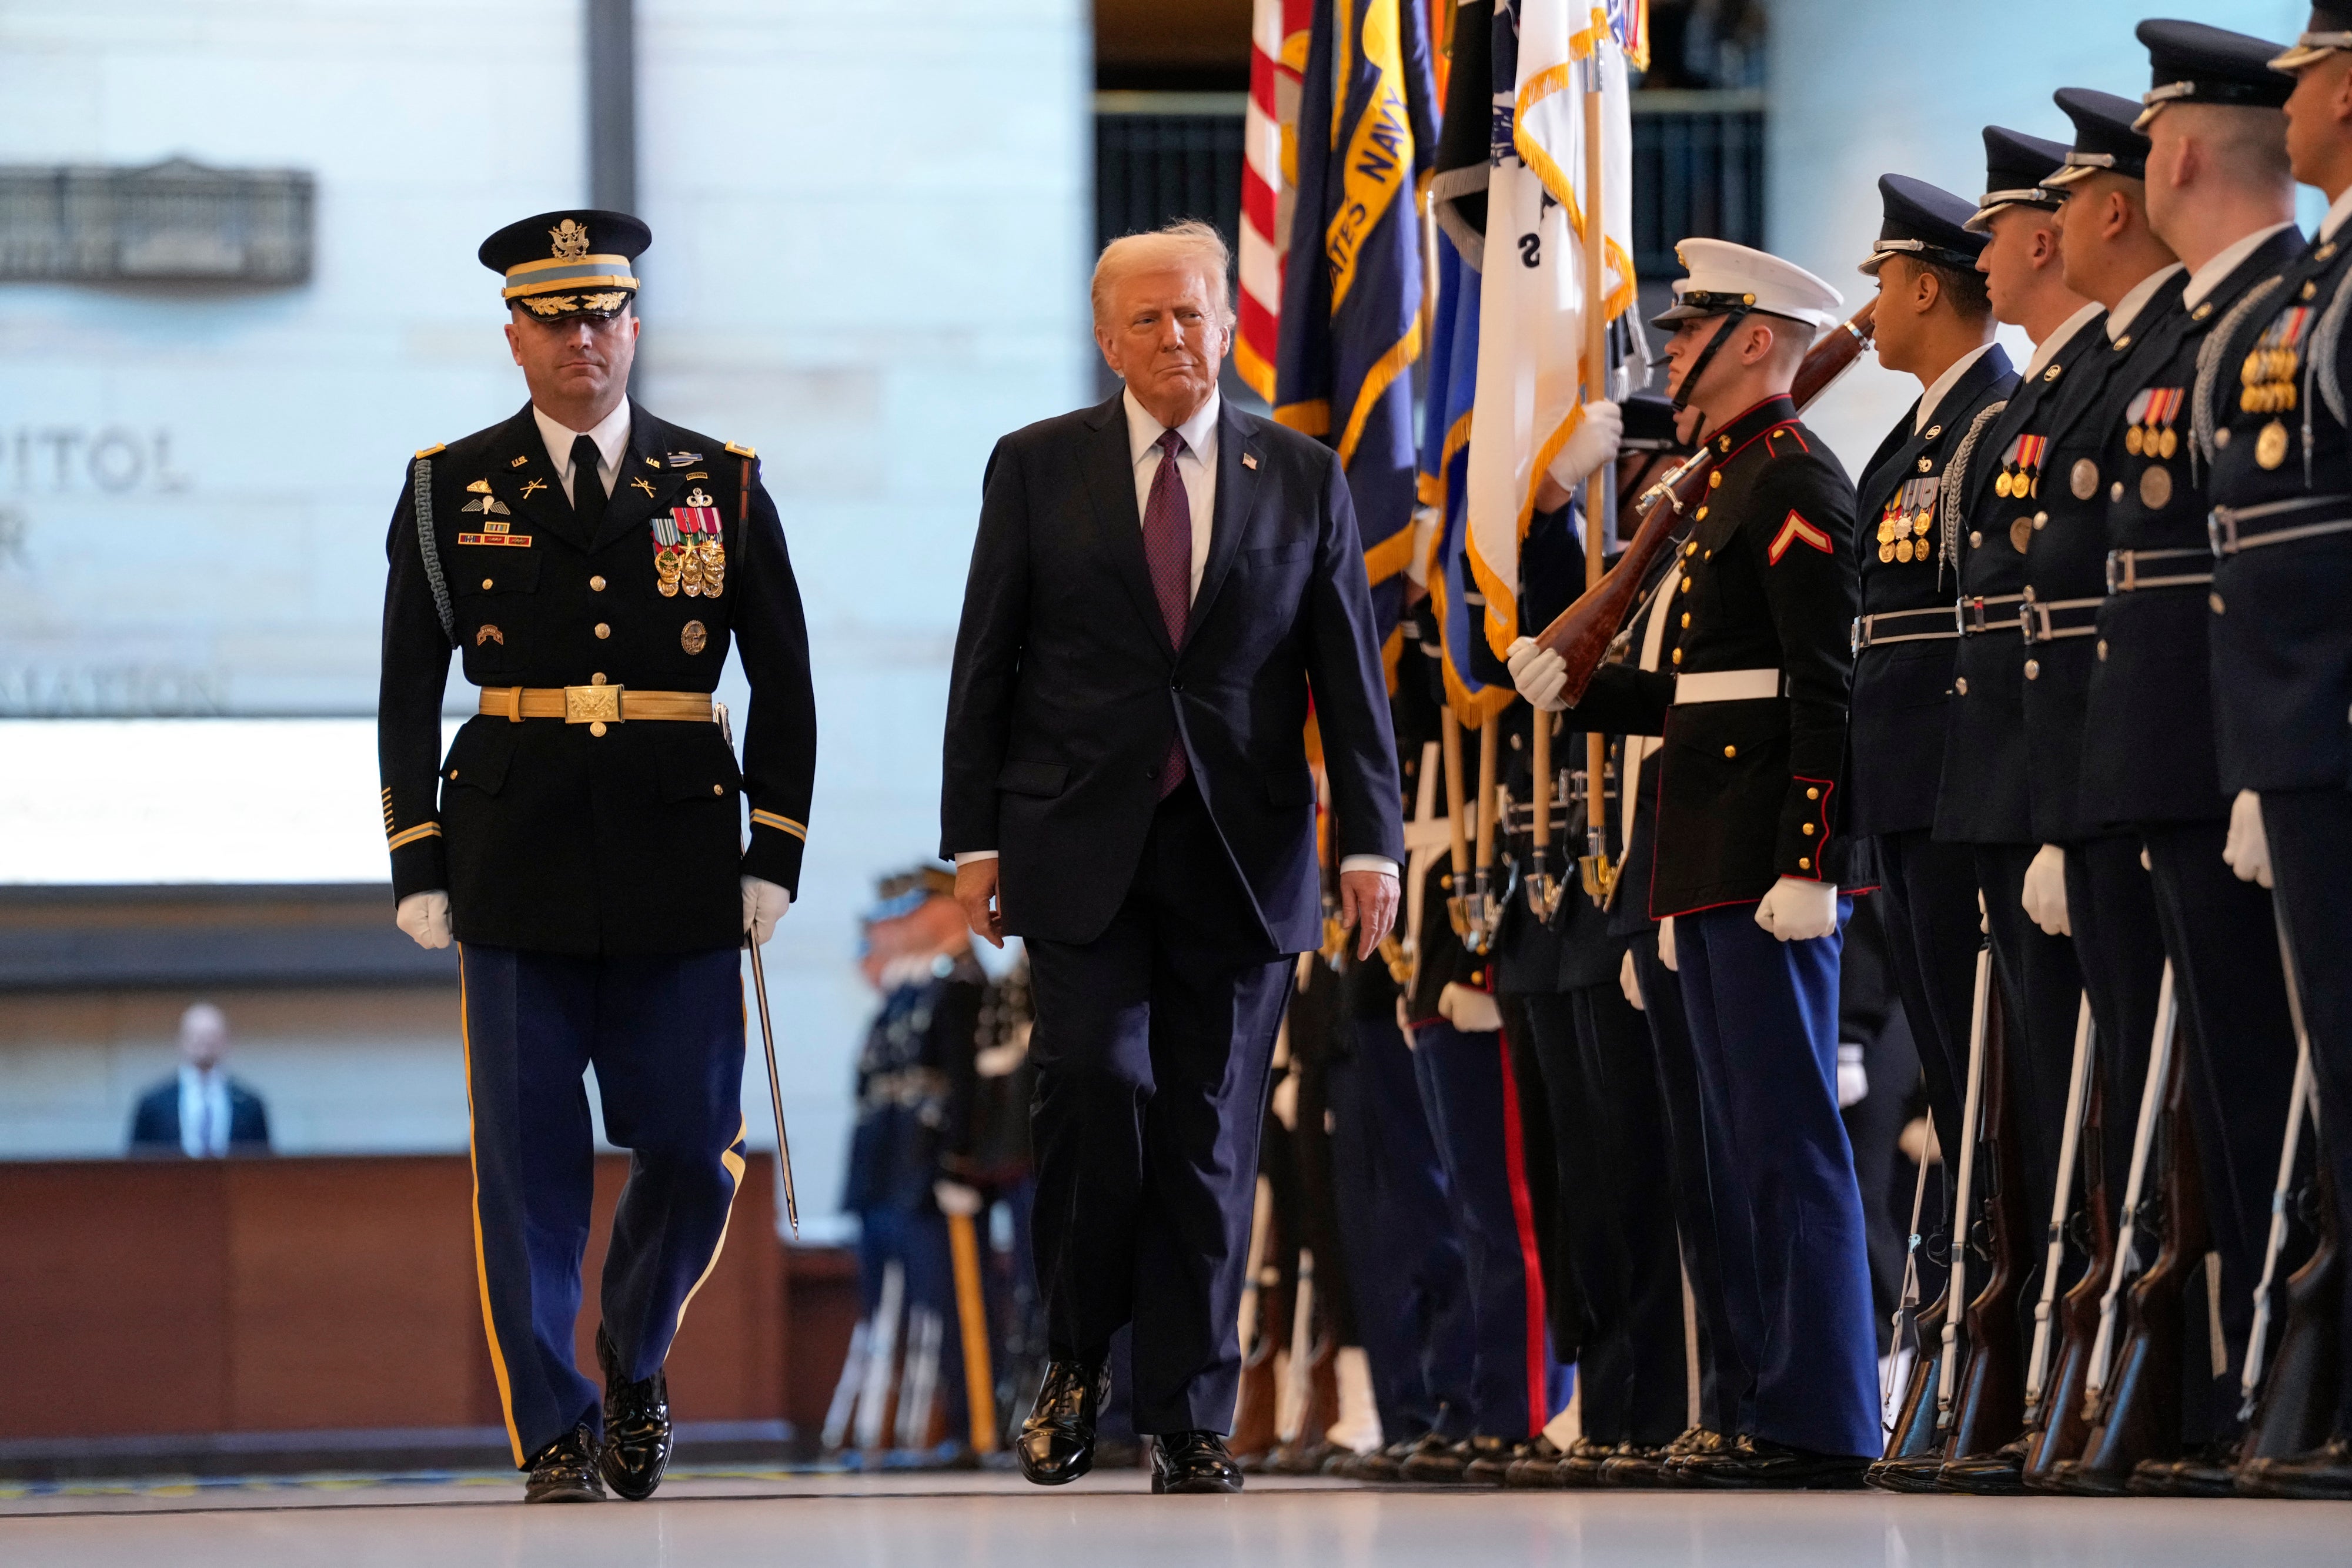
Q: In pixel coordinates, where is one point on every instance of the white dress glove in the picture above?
(1666, 944)
(953, 1197)
(1796, 910)
(1539, 673)
(1630, 982)
(1593, 443)
(1853, 1079)
(2248, 847)
(1470, 1011)
(425, 917)
(764, 903)
(2044, 898)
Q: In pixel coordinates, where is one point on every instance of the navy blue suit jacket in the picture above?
(156, 1123)
(1067, 689)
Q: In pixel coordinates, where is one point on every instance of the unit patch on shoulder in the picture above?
(1796, 531)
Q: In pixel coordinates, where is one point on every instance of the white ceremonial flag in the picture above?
(1532, 384)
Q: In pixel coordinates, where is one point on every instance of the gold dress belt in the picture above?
(596, 704)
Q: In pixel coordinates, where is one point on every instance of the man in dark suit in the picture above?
(1158, 586)
(200, 1112)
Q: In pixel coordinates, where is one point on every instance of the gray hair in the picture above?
(1191, 243)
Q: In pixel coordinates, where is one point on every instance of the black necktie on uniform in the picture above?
(587, 488)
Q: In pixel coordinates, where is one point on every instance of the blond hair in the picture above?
(1191, 243)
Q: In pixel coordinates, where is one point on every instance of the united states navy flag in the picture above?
(1352, 326)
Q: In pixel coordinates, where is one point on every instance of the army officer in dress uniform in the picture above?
(2270, 418)
(1747, 870)
(583, 841)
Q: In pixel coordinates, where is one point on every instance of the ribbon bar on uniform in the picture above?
(1726, 686)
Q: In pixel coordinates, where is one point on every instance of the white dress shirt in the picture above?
(2338, 212)
(2223, 262)
(204, 1111)
(2127, 308)
(1943, 384)
(2047, 350)
(611, 436)
(1196, 465)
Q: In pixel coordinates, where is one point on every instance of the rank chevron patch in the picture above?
(1793, 530)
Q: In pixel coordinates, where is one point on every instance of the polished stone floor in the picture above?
(710, 1518)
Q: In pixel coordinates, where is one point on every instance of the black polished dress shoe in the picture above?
(1537, 1466)
(2001, 1473)
(2324, 1473)
(1387, 1464)
(1436, 1462)
(1913, 1473)
(1758, 1464)
(637, 1436)
(1580, 1468)
(2211, 1471)
(1057, 1445)
(1694, 1442)
(565, 1471)
(1490, 1461)
(1193, 1462)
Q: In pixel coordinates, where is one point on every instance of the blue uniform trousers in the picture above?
(1763, 1020)
(1471, 1095)
(2311, 861)
(1405, 1267)
(1702, 1187)
(665, 1035)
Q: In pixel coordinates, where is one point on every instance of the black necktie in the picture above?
(587, 488)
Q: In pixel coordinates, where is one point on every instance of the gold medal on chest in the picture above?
(2270, 446)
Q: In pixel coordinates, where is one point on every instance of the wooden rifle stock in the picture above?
(2063, 1427)
(1582, 633)
(1990, 1408)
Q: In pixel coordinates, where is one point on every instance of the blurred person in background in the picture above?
(201, 1111)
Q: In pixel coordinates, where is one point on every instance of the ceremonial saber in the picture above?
(2151, 1108)
(2078, 1088)
(2299, 1103)
(775, 1087)
(1964, 1194)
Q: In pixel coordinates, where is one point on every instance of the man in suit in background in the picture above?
(1157, 585)
(203, 1112)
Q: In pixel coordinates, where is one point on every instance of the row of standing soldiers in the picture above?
(2064, 687)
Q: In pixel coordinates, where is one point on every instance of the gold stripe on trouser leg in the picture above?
(481, 1266)
(734, 1163)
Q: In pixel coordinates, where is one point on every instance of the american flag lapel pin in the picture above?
(1249, 459)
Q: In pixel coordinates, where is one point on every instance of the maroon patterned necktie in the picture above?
(1168, 547)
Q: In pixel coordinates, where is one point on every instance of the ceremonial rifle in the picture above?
(1582, 633)
(1988, 1411)
(2063, 1427)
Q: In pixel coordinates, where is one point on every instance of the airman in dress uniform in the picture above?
(1747, 869)
(2221, 198)
(2270, 418)
(582, 838)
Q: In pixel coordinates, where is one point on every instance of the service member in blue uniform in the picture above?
(2086, 881)
(2270, 419)
(1746, 866)
(1987, 504)
(582, 838)
(2221, 198)
(1934, 322)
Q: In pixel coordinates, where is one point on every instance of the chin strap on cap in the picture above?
(1731, 319)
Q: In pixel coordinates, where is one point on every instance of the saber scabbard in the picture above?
(775, 1087)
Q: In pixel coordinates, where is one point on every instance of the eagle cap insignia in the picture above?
(571, 240)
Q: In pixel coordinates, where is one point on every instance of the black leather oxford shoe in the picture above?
(1193, 1462)
(565, 1471)
(2325, 1472)
(1058, 1442)
(637, 1436)
(1760, 1464)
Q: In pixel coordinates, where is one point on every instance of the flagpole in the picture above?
(1598, 873)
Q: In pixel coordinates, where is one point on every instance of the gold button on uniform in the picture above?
(1731, 751)
(596, 584)
(1686, 587)
(1715, 480)
(2102, 650)
(1813, 794)
(2032, 669)
(1808, 829)
(1961, 686)
(2214, 600)
(1804, 862)
(597, 729)
(602, 630)
(1678, 656)
(597, 679)
(719, 789)
(486, 582)
(1685, 617)
(1975, 538)
(452, 773)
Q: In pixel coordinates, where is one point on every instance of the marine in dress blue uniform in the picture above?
(1904, 639)
(1754, 717)
(585, 834)
(2149, 766)
(2270, 416)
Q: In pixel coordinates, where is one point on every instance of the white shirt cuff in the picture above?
(965, 857)
(1380, 863)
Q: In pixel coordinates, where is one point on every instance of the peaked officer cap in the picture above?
(2106, 137)
(1726, 276)
(2193, 63)
(1923, 221)
(2329, 30)
(2015, 166)
(573, 263)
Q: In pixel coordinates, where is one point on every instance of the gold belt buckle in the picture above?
(592, 704)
